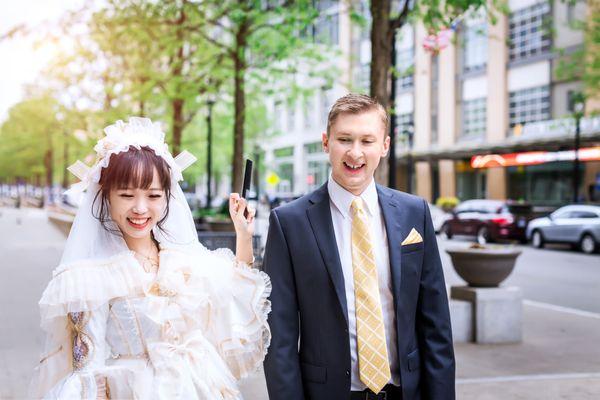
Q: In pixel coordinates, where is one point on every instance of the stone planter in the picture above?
(484, 266)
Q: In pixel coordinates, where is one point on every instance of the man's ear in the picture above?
(386, 146)
(325, 142)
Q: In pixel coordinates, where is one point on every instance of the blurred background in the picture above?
(494, 121)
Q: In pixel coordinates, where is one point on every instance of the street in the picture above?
(555, 275)
(559, 278)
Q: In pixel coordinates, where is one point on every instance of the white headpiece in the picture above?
(88, 240)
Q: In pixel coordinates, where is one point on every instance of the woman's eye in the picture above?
(155, 196)
(126, 195)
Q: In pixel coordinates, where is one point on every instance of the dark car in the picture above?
(490, 220)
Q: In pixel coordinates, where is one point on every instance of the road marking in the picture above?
(567, 310)
(522, 378)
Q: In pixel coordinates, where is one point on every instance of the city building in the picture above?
(487, 117)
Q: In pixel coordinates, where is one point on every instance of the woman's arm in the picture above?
(244, 227)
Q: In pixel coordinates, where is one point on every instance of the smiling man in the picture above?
(359, 305)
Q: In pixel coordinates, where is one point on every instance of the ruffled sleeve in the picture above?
(233, 313)
(74, 310)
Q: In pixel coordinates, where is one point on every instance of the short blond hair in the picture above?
(354, 103)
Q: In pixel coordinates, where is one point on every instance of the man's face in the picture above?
(136, 211)
(355, 145)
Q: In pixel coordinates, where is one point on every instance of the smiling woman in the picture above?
(138, 308)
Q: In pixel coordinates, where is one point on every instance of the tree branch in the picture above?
(401, 18)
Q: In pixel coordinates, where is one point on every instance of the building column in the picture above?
(423, 174)
(447, 178)
(497, 101)
(422, 113)
(447, 118)
(496, 184)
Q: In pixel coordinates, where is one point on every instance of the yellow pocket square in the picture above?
(412, 238)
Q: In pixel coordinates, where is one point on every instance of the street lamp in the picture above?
(578, 108)
(210, 102)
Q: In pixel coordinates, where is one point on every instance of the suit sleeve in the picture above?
(433, 323)
(282, 364)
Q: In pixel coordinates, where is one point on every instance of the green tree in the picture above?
(260, 40)
(388, 16)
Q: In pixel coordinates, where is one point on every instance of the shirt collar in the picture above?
(342, 199)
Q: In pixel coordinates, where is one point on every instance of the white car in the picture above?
(438, 217)
(575, 224)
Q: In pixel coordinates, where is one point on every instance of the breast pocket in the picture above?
(411, 248)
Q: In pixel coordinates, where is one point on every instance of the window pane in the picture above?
(529, 34)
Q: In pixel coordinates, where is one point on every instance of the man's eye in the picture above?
(345, 140)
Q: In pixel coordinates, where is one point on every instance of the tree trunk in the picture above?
(239, 106)
(178, 123)
(381, 61)
(178, 103)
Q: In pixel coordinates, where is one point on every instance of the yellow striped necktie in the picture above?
(373, 363)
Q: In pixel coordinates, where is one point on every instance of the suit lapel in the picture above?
(394, 231)
(319, 215)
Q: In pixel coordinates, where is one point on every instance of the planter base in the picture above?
(497, 315)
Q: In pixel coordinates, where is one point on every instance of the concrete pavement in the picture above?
(559, 357)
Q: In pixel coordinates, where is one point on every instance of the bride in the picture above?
(138, 308)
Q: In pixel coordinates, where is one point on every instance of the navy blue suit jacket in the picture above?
(309, 356)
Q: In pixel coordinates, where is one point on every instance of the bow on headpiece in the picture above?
(138, 132)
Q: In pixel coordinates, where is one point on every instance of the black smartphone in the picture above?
(246, 183)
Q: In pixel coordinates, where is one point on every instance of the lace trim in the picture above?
(83, 346)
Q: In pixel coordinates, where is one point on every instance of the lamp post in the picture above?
(210, 102)
(409, 132)
(392, 160)
(579, 110)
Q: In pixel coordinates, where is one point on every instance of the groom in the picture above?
(359, 306)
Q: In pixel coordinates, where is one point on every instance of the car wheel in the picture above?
(447, 231)
(537, 240)
(587, 244)
(483, 235)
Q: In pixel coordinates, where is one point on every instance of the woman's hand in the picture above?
(244, 227)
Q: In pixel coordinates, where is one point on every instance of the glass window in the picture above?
(285, 171)
(474, 115)
(584, 214)
(317, 173)
(529, 33)
(476, 43)
(435, 66)
(405, 66)
(284, 152)
(326, 29)
(312, 148)
(529, 105)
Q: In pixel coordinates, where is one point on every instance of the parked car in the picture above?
(438, 216)
(490, 220)
(575, 224)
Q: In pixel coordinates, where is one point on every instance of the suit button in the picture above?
(347, 373)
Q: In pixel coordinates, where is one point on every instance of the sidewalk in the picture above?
(559, 358)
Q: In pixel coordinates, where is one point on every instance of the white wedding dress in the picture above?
(189, 331)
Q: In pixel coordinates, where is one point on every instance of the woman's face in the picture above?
(136, 211)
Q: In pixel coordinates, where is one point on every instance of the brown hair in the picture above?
(133, 168)
(354, 103)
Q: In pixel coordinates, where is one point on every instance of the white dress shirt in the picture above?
(340, 201)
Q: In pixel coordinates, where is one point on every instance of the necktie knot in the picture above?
(357, 206)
